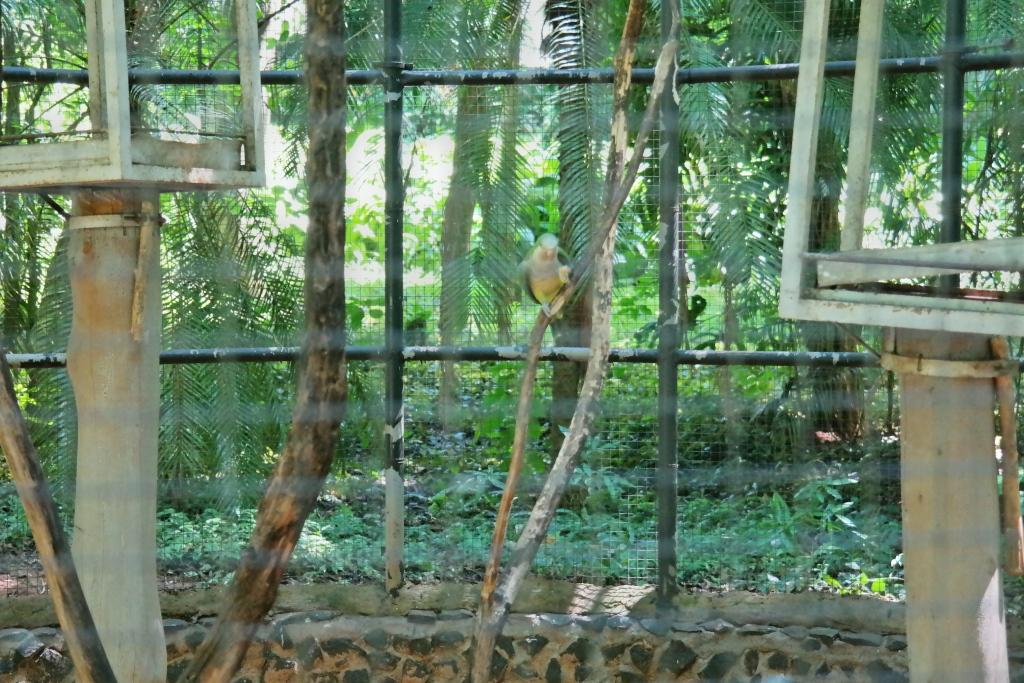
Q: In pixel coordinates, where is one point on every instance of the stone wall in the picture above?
(322, 647)
(559, 632)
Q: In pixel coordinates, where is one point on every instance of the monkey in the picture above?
(545, 270)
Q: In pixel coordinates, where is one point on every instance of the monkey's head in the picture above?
(547, 247)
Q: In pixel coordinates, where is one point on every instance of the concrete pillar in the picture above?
(117, 392)
(956, 628)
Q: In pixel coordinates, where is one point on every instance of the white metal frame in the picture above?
(806, 277)
(112, 157)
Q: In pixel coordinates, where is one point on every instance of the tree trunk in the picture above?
(731, 409)
(456, 271)
(11, 319)
(837, 394)
(322, 390)
(578, 199)
(572, 329)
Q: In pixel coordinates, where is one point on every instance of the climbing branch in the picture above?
(322, 392)
(497, 600)
(91, 665)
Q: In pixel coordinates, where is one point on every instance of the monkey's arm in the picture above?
(527, 280)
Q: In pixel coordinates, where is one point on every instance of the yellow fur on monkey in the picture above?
(545, 270)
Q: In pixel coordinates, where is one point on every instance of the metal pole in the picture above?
(722, 74)
(952, 128)
(666, 487)
(394, 201)
(477, 354)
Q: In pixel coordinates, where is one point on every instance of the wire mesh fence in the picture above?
(788, 476)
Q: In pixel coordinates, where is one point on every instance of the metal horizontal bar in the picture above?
(174, 76)
(483, 353)
(756, 72)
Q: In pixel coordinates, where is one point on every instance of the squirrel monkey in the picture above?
(545, 270)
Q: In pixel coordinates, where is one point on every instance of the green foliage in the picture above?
(758, 509)
(816, 537)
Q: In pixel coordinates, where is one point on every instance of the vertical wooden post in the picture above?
(956, 628)
(117, 392)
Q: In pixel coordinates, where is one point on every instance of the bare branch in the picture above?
(495, 602)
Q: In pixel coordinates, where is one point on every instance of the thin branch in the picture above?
(263, 24)
(495, 602)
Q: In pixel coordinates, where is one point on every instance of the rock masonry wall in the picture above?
(325, 647)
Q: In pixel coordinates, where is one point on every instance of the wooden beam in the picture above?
(956, 627)
(116, 381)
(224, 155)
(1013, 525)
(251, 85)
(862, 121)
(810, 89)
(874, 265)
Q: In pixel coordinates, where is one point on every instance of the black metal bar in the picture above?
(952, 129)
(394, 188)
(275, 354)
(666, 487)
(394, 341)
(175, 76)
(969, 62)
(754, 72)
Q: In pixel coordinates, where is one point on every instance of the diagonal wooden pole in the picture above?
(91, 665)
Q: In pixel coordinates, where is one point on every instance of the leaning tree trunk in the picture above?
(69, 603)
(322, 391)
(471, 185)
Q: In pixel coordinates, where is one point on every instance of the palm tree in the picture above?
(484, 173)
(575, 39)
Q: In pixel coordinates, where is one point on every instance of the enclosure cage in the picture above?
(122, 123)
(676, 398)
(893, 285)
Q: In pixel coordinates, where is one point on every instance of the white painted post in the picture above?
(862, 122)
(810, 91)
(117, 391)
(956, 628)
